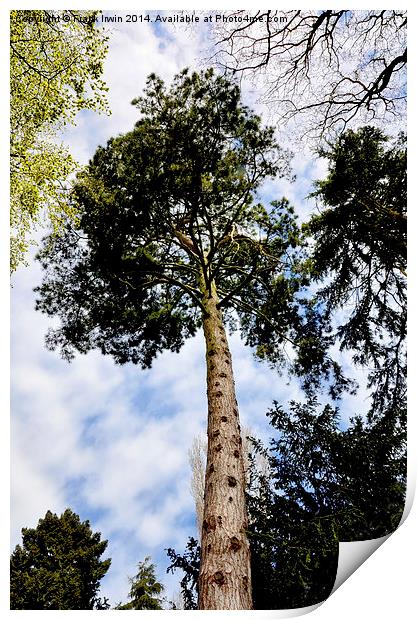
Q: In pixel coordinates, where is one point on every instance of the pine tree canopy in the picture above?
(166, 210)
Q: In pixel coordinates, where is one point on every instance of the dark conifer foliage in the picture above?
(325, 485)
(145, 589)
(359, 255)
(189, 563)
(158, 205)
(58, 565)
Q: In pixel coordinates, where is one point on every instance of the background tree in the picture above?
(145, 589)
(58, 565)
(189, 564)
(359, 255)
(56, 62)
(326, 485)
(330, 67)
(329, 484)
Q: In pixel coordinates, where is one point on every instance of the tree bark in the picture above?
(225, 574)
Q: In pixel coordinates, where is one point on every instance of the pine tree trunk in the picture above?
(225, 575)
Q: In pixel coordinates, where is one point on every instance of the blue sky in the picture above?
(112, 442)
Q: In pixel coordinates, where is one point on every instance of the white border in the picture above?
(384, 587)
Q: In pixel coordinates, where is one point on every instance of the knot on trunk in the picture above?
(236, 453)
(216, 434)
(232, 482)
(224, 418)
(235, 544)
(218, 448)
(209, 524)
(223, 375)
(211, 468)
(218, 394)
(245, 582)
(219, 578)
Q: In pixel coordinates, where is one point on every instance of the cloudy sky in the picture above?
(112, 442)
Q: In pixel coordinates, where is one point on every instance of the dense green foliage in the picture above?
(161, 207)
(326, 485)
(58, 565)
(145, 589)
(359, 254)
(56, 65)
(189, 563)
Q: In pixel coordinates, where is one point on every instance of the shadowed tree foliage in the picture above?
(170, 238)
(359, 255)
(58, 565)
(56, 63)
(324, 485)
(145, 589)
(189, 563)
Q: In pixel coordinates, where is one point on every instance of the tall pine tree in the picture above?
(170, 239)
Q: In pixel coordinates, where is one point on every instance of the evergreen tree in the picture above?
(145, 588)
(326, 485)
(189, 563)
(58, 565)
(359, 256)
(170, 239)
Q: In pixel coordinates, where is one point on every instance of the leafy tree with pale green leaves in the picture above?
(56, 63)
(145, 589)
(58, 565)
(170, 238)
